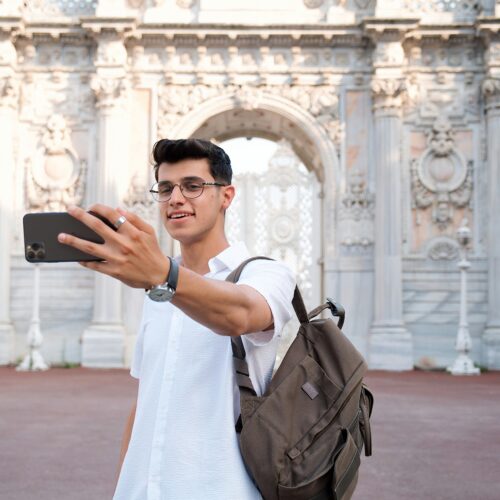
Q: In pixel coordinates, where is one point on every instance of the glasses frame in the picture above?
(155, 192)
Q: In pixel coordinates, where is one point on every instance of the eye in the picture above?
(165, 189)
(192, 187)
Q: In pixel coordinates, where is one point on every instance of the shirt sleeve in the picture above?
(135, 369)
(276, 282)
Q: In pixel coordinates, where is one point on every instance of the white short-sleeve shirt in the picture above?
(183, 444)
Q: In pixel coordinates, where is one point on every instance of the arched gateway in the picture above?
(397, 123)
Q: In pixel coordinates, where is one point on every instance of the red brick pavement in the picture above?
(435, 436)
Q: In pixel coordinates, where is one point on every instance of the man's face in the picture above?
(186, 219)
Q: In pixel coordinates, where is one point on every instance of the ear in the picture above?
(228, 196)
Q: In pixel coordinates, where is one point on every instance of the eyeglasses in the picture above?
(190, 188)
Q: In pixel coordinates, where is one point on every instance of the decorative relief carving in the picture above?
(356, 214)
(443, 248)
(9, 92)
(109, 92)
(388, 93)
(389, 54)
(111, 53)
(139, 201)
(59, 7)
(441, 178)
(55, 177)
(491, 91)
(321, 101)
(459, 6)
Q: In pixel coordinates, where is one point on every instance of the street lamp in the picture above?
(463, 365)
(33, 361)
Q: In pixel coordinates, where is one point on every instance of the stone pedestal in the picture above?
(390, 342)
(491, 335)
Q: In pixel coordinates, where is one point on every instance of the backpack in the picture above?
(302, 439)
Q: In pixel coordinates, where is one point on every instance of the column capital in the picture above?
(9, 92)
(491, 92)
(110, 91)
(388, 95)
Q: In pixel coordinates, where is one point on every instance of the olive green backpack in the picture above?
(302, 439)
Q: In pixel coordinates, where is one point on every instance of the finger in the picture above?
(108, 232)
(95, 266)
(94, 249)
(139, 223)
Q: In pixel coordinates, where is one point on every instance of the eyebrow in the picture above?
(188, 178)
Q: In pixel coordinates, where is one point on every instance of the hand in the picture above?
(132, 254)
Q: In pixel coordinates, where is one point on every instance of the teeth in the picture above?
(179, 216)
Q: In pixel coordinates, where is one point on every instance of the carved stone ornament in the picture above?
(441, 177)
(356, 214)
(491, 91)
(388, 93)
(55, 177)
(472, 7)
(111, 53)
(139, 200)
(443, 248)
(9, 92)
(109, 92)
(175, 101)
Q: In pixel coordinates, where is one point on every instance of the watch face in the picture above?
(161, 294)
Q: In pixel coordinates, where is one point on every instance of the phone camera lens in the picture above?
(40, 254)
(35, 246)
(31, 254)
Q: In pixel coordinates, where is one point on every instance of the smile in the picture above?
(180, 215)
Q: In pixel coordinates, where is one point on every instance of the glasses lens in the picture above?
(192, 189)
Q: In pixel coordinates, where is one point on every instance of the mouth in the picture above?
(179, 215)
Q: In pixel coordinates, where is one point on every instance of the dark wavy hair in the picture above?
(173, 151)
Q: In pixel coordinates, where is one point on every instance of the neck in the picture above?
(195, 255)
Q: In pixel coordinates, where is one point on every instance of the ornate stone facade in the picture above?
(392, 105)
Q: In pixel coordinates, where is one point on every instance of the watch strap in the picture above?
(173, 274)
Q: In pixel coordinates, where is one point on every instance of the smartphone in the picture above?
(40, 237)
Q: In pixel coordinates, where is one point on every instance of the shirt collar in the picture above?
(230, 258)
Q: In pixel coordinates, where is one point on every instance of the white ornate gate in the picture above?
(278, 214)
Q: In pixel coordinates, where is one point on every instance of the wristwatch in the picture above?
(166, 291)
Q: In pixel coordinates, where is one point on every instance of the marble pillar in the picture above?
(491, 335)
(390, 344)
(8, 106)
(9, 98)
(103, 342)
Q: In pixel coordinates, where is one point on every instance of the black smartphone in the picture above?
(40, 237)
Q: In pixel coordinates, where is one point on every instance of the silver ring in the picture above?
(119, 222)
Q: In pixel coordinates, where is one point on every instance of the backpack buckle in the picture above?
(337, 310)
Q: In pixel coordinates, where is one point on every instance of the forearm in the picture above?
(126, 440)
(224, 307)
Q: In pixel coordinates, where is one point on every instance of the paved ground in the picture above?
(436, 436)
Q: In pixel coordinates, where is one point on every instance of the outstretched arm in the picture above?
(133, 255)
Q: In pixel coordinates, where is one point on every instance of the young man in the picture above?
(180, 441)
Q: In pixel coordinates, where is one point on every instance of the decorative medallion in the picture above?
(441, 178)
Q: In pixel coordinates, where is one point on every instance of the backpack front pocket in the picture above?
(337, 482)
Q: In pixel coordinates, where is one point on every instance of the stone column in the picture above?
(9, 93)
(390, 343)
(104, 340)
(491, 90)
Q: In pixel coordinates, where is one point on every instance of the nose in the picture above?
(177, 196)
